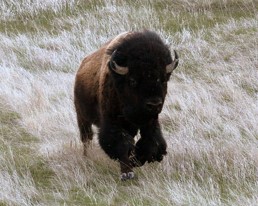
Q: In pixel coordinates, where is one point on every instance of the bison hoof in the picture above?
(127, 176)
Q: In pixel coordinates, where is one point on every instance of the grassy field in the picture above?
(210, 117)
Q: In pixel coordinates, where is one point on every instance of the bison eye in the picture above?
(158, 81)
(132, 82)
(164, 82)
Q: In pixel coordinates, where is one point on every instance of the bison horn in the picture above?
(174, 64)
(119, 69)
(115, 67)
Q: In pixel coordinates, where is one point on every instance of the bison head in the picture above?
(141, 66)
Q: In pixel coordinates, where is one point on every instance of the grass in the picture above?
(178, 16)
(203, 16)
(21, 165)
(209, 119)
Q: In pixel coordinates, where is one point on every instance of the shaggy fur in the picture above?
(121, 104)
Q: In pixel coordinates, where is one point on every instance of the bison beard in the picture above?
(121, 89)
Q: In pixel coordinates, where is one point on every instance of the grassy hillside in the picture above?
(210, 117)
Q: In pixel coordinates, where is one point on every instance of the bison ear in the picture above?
(114, 62)
(170, 67)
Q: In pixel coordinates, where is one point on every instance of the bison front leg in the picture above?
(118, 145)
(151, 146)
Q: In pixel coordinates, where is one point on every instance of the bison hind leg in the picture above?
(86, 135)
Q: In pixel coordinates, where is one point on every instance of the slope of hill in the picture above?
(209, 119)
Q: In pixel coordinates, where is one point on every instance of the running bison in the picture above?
(121, 88)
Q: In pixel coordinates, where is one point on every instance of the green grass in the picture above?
(41, 174)
(20, 150)
(206, 172)
(172, 17)
(45, 19)
(249, 88)
(176, 17)
(3, 203)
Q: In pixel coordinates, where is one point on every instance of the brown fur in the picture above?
(89, 88)
(120, 102)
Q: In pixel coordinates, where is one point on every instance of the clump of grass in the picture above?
(20, 160)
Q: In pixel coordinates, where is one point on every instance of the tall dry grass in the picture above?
(209, 119)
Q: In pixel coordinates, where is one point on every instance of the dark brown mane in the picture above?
(121, 89)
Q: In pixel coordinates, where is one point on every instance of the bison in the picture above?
(121, 89)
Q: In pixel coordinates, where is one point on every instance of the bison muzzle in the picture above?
(121, 89)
